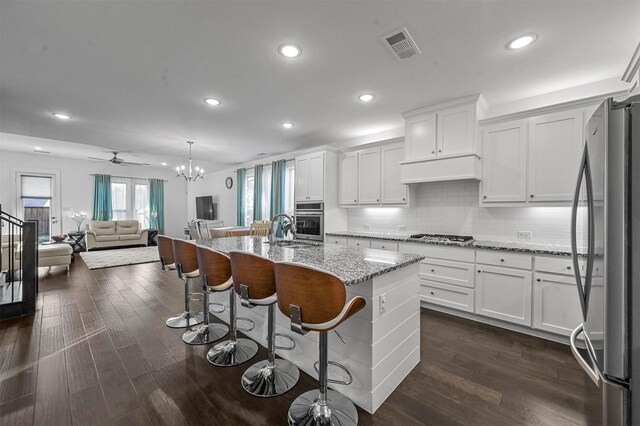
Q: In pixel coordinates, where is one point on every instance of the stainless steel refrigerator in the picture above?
(607, 208)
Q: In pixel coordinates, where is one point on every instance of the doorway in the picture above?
(37, 200)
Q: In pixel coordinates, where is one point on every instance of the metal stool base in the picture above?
(265, 381)
(229, 353)
(205, 334)
(185, 319)
(305, 410)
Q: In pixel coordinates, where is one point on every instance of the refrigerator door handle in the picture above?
(593, 374)
(574, 236)
(591, 243)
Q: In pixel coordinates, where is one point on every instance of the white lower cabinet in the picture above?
(384, 245)
(452, 296)
(359, 242)
(556, 306)
(336, 240)
(503, 293)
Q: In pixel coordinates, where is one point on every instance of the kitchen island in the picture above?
(382, 340)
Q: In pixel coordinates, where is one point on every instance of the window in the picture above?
(266, 192)
(248, 197)
(130, 200)
(36, 193)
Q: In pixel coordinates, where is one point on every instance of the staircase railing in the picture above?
(18, 266)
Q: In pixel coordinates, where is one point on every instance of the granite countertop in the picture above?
(351, 264)
(533, 248)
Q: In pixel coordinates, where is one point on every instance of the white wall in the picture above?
(76, 185)
(453, 208)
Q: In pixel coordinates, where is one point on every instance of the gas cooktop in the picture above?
(441, 238)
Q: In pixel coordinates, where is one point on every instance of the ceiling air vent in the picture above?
(401, 44)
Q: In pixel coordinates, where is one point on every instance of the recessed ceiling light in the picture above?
(61, 116)
(37, 148)
(262, 154)
(164, 164)
(289, 50)
(212, 101)
(287, 125)
(522, 41)
(367, 97)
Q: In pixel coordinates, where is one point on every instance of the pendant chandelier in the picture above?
(199, 173)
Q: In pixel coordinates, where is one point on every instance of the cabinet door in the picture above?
(369, 176)
(556, 307)
(504, 293)
(316, 177)
(302, 178)
(392, 191)
(348, 177)
(420, 137)
(455, 131)
(555, 142)
(504, 162)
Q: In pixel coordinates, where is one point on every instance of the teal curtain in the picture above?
(257, 192)
(240, 175)
(102, 197)
(278, 172)
(156, 205)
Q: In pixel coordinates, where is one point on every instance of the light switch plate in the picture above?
(402, 227)
(526, 235)
(383, 303)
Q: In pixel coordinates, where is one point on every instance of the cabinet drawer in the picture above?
(559, 265)
(447, 295)
(460, 254)
(449, 272)
(384, 245)
(359, 242)
(336, 240)
(501, 258)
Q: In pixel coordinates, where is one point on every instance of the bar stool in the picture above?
(215, 274)
(315, 301)
(254, 280)
(187, 267)
(165, 249)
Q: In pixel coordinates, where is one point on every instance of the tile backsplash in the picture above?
(452, 208)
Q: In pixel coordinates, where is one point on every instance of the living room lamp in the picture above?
(190, 177)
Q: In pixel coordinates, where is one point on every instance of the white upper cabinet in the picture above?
(420, 136)
(348, 183)
(504, 162)
(369, 176)
(555, 145)
(440, 141)
(372, 176)
(310, 177)
(455, 131)
(391, 190)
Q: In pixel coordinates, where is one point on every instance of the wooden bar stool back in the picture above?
(316, 300)
(165, 249)
(215, 274)
(254, 280)
(184, 255)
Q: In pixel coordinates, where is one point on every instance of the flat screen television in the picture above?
(205, 208)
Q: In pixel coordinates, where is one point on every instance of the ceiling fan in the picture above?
(118, 161)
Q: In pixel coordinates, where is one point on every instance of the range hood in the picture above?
(441, 169)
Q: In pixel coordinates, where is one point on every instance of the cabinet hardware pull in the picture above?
(568, 267)
(531, 196)
(404, 199)
(433, 152)
(439, 150)
(432, 293)
(355, 201)
(538, 279)
(433, 270)
(501, 260)
(479, 271)
(484, 196)
(377, 199)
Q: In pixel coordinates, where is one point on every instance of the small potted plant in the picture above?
(78, 218)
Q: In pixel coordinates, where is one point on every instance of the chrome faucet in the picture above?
(272, 234)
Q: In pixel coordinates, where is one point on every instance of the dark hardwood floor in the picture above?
(98, 352)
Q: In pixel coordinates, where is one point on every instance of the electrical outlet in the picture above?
(524, 235)
(402, 227)
(367, 226)
(383, 303)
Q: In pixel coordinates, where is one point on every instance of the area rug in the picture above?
(120, 257)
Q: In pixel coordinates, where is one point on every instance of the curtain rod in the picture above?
(267, 164)
(129, 177)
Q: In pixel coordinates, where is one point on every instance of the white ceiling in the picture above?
(133, 74)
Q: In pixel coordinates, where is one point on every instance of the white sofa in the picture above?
(115, 233)
(48, 254)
